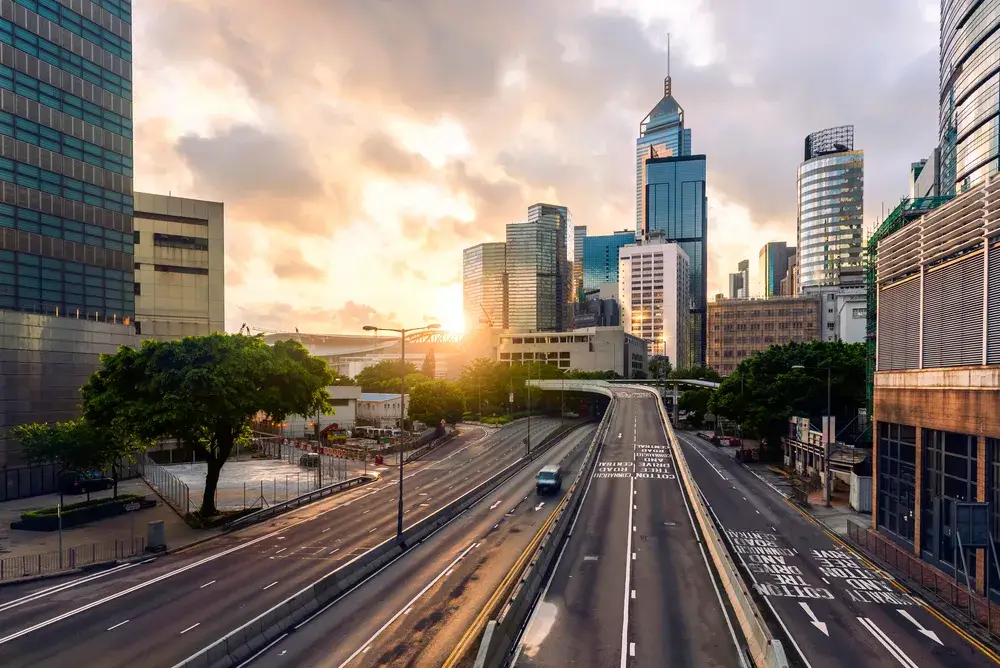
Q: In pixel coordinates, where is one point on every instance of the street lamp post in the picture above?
(830, 436)
(402, 406)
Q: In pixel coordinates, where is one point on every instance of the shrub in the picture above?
(52, 511)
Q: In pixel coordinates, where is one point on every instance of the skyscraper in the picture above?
(676, 211)
(600, 258)
(66, 170)
(537, 267)
(774, 257)
(969, 128)
(739, 282)
(654, 289)
(661, 135)
(484, 287)
(579, 235)
(830, 205)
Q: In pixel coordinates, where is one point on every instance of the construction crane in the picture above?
(486, 315)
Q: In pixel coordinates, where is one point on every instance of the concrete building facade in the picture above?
(654, 293)
(382, 409)
(589, 349)
(936, 421)
(180, 267)
(739, 282)
(739, 328)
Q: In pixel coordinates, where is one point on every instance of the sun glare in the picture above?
(449, 309)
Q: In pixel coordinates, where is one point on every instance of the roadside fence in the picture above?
(167, 485)
(71, 558)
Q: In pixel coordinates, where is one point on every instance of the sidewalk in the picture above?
(21, 543)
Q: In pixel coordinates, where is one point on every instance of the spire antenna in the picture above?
(668, 54)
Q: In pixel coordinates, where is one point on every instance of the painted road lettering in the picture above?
(763, 555)
(654, 462)
(612, 469)
(862, 584)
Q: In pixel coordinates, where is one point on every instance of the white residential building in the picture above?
(381, 409)
(655, 295)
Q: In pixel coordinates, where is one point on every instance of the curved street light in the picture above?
(402, 404)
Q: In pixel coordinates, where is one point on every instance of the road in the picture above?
(414, 612)
(632, 587)
(161, 612)
(837, 609)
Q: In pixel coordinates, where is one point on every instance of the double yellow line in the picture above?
(899, 587)
(502, 591)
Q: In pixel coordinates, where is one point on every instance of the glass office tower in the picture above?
(830, 232)
(600, 258)
(773, 259)
(66, 236)
(677, 212)
(484, 285)
(537, 267)
(969, 87)
(661, 135)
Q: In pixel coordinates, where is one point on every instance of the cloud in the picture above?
(334, 144)
(350, 318)
(291, 265)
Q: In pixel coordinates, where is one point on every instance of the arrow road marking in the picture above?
(927, 632)
(815, 622)
(886, 642)
(539, 506)
(493, 507)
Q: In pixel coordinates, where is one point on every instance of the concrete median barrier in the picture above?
(258, 633)
(765, 650)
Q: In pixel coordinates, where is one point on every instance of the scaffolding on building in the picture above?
(908, 211)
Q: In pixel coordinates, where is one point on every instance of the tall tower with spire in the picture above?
(661, 135)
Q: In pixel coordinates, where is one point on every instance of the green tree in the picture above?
(764, 390)
(486, 385)
(697, 373)
(660, 367)
(592, 375)
(384, 376)
(435, 400)
(429, 367)
(695, 402)
(203, 390)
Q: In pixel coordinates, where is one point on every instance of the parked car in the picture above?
(309, 460)
(84, 482)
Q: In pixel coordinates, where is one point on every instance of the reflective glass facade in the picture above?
(773, 259)
(969, 128)
(830, 229)
(537, 268)
(579, 235)
(66, 233)
(484, 285)
(600, 258)
(661, 135)
(677, 211)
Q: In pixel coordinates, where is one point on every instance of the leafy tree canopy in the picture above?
(203, 390)
(384, 376)
(435, 400)
(697, 373)
(660, 367)
(695, 401)
(429, 367)
(764, 390)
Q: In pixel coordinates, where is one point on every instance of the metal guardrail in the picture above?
(308, 497)
(71, 558)
(166, 484)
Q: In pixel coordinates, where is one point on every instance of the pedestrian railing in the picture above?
(174, 491)
(31, 565)
(926, 578)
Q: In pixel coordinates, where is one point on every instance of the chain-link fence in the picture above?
(29, 565)
(169, 486)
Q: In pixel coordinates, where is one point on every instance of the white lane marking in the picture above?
(920, 627)
(263, 651)
(450, 571)
(539, 506)
(112, 628)
(423, 591)
(269, 586)
(281, 550)
(494, 506)
(631, 649)
(887, 642)
(628, 583)
(367, 511)
(207, 584)
(619, 434)
(714, 467)
(326, 529)
(407, 611)
(633, 556)
(756, 511)
(195, 625)
(633, 594)
(335, 550)
(68, 585)
(374, 529)
(813, 620)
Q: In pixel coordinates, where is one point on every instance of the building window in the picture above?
(180, 241)
(949, 475)
(897, 459)
(135, 237)
(136, 289)
(174, 269)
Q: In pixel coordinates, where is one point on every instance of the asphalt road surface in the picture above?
(836, 608)
(159, 613)
(632, 587)
(414, 612)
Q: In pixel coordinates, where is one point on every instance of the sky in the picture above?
(360, 145)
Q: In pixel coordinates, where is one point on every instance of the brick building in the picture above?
(738, 328)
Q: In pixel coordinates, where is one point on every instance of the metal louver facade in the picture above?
(938, 282)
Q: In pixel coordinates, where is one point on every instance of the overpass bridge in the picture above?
(603, 387)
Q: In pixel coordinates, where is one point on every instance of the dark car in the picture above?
(549, 480)
(84, 482)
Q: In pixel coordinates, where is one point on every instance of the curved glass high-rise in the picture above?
(969, 92)
(830, 207)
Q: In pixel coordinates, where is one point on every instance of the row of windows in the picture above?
(81, 26)
(29, 176)
(120, 8)
(46, 51)
(64, 228)
(29, 282)
(52, 140)
(58, 99)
